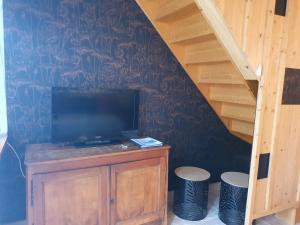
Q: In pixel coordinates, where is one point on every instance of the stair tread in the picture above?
(219, 78)
(242, 127)
(232, 94)
(207, 56)
(206, 52)
(205, 45)
(174, 7)
(238, 112)
(221, 73)
(245, 137)
(192, 27)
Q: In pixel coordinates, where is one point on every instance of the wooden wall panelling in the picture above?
(256, 204)
(272, 68)
(291, 116)
(278, 128)
(254, 31)
(247, 22)
(286, 159)
(260, 195)
(272, 110)
(293, 53)
(233, 12)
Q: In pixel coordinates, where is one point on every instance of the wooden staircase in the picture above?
(204, 46)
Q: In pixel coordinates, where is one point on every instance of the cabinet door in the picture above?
(78, 197)
(138, 192)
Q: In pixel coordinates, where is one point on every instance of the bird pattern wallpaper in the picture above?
(96, 44)
(291, 93)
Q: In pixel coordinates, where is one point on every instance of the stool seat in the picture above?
(191, 193)
(236, 179)
(192, 173)
(233, 198)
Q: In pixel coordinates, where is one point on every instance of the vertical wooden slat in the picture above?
(293, 53)
(286, 158)
(233, 12)
(256, 204)
(255, 31)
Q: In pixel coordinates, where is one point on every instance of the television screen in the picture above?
(86, 116)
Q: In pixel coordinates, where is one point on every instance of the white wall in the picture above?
(3, 115)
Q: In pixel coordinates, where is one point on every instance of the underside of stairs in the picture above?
(204, 46)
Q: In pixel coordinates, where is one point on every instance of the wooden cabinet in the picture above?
(96, 186)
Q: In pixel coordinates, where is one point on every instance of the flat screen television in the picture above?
(91, 117)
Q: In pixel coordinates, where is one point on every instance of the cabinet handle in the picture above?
(112, 201)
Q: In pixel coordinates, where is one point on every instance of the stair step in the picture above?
(174, 9)
(239, 112)
(222, 73)
(244, 137)
(192, 28)
(242, 127)
(197, 34)
(232, 93)
(206, 52)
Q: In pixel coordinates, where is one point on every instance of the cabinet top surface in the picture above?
(43, 153)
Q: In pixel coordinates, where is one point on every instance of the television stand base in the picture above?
(100, 143)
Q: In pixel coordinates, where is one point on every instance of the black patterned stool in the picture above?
(191, 193)
(233, 198)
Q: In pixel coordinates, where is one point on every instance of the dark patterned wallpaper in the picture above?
(291, 93)
(100, 44)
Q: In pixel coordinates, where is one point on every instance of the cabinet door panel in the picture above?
(138, 193)
(78, 197)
